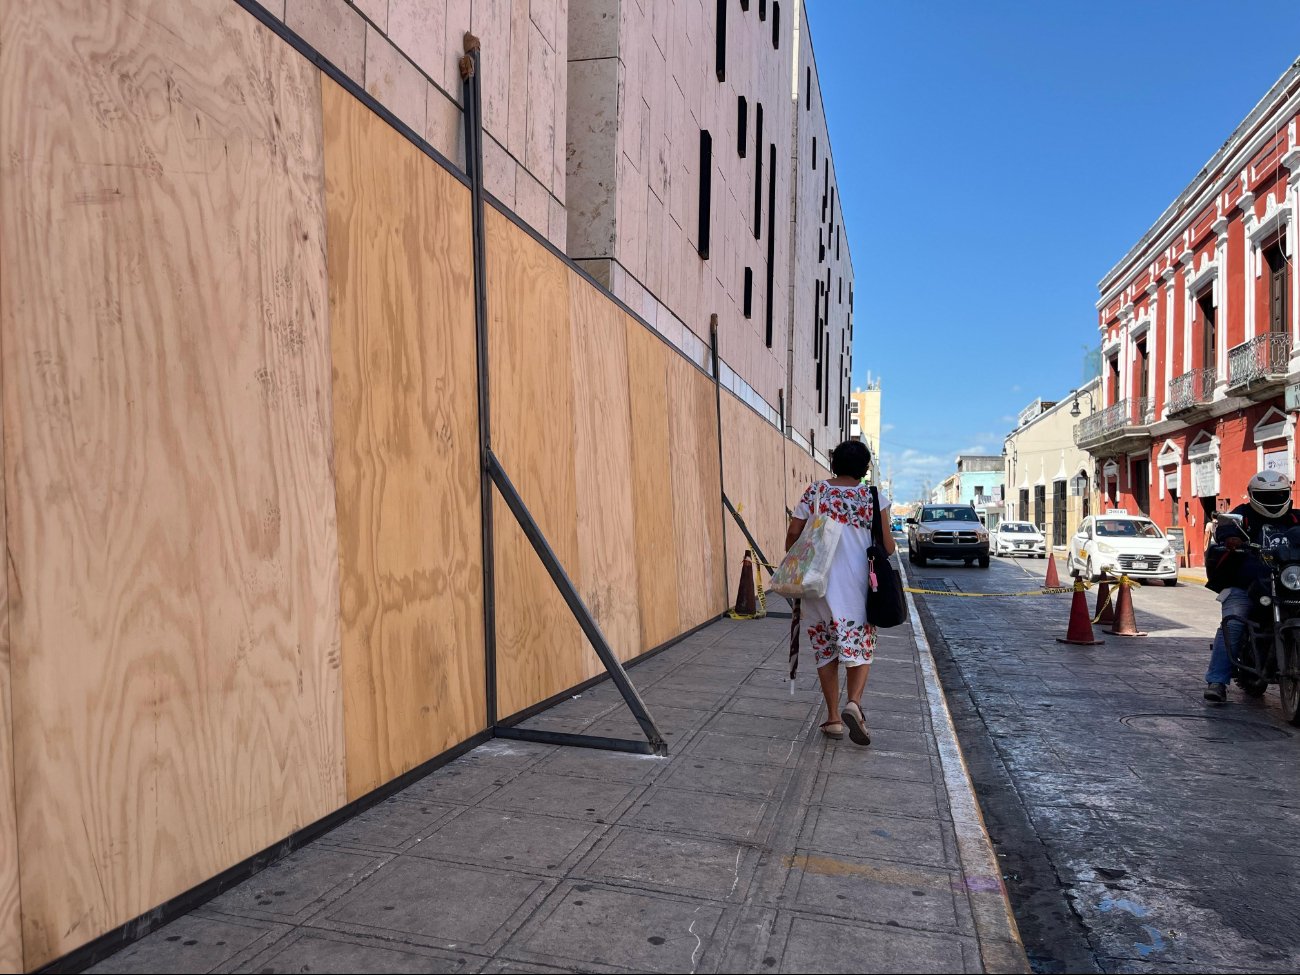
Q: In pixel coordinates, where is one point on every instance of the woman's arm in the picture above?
(794, 531)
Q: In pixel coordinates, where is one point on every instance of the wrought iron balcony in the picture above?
(1124, 420)
(1191, 391)
(1263, 359)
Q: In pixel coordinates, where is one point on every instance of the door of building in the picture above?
(1276, 288)
(1209, 332)
(1058, 512)
(1040, 506)
(1142, 485)
(1024, 512)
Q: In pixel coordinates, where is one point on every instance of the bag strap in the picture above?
(877, 528)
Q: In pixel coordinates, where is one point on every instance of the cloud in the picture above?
(1009, 419)
(886, 427)
(1015, 389)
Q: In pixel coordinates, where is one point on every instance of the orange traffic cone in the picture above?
(1079, 632)
(1053, 580)
(1125, 623)
(1106, 614)
(746, 604)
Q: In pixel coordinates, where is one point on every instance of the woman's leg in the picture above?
(856, 679)
(829, 675)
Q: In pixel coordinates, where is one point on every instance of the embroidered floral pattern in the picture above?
(841, 638)
(847, 505)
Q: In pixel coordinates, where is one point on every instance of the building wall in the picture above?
(1043, 452)
(406, 54)
(821, 326)
(1206, 245)
(643, 85)
(865, 421)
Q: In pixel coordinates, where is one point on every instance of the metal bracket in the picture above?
(492, 472)
(655, 744)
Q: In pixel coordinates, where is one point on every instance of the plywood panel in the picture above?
(173, 550)
(405, 446)
(652, 487)
(540, 650)
(697, 494)
(11, 935)
(754, 479)
(607, 558)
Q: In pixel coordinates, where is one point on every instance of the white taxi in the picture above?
(1018, 538)
(1118, 543)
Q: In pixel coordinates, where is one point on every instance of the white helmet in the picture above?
(1270, 493)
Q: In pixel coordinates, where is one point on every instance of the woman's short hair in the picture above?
(852, 458)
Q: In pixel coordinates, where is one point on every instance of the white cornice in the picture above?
(1208, 271)
(1274, 217)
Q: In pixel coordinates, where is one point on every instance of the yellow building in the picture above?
(864, 415)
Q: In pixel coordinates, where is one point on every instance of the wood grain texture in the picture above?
(173, 557)
(652, 486)
(607, 557)
(752, 469)
(801, 470)
(11, 930)
(540, 650)
(405, 446)
(697, 493)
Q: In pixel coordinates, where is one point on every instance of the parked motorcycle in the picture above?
(1269, 649)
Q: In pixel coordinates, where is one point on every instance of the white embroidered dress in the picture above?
(837, 624)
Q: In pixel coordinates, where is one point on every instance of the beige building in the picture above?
(1049, 480)
(864, 414)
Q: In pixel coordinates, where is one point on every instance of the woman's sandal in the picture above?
(857, 724)
(833, 729)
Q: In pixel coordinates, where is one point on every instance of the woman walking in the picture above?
(836, 624)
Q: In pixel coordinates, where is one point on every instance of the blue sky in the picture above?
(994, 161)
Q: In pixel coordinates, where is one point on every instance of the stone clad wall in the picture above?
(406, 54)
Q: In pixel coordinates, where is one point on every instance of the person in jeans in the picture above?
(1231, 567)
(836, 624)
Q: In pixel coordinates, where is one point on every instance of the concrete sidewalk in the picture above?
(757, 845)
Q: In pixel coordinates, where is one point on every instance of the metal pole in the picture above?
(469, 72)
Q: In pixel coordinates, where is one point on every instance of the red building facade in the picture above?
(1200, 335)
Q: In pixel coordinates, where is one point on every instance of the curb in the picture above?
(1001, 949)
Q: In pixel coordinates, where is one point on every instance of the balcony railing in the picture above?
(1191, 389)
(1263, 357)
(1128, 414)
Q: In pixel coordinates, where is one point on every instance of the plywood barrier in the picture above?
(697, 493)
(405, 446)
(608, 562)
(801, 470)
(540, 650)
(652, 487)
(173, 554)
(752, 461)
(11, 934)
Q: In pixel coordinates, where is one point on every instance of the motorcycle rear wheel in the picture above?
(1253, 686)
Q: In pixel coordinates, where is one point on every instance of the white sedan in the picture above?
(1018, 538)
(1122, 544)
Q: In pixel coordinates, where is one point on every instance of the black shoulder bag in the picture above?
(886, 605)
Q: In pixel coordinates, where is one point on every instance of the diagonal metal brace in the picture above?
(745, 529)
(585, 620)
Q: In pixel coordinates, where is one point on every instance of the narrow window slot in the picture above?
(742, 125)
(706, 192)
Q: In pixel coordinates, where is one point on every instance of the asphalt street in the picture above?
(1140, 828)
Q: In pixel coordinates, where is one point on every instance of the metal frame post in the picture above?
(469, 72)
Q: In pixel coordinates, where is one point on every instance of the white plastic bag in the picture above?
(804, 571)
